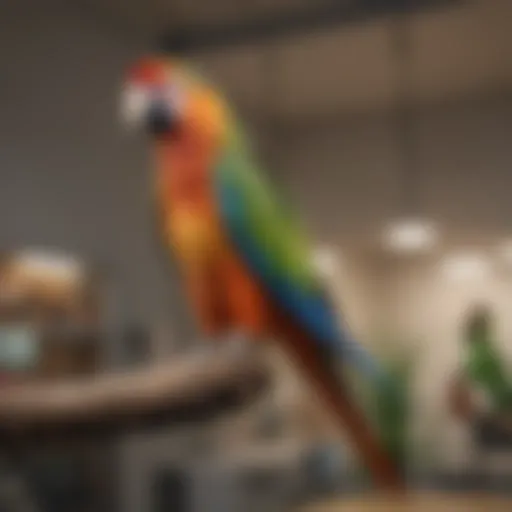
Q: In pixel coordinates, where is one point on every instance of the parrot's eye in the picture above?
(162, 118)
(164, 112)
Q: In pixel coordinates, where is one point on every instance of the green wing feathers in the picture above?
(269, 219)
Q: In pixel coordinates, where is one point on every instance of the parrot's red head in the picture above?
(166, 99)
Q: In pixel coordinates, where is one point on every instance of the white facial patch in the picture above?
(138, 99)
(134, 105)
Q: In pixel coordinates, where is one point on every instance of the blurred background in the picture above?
(388, 123)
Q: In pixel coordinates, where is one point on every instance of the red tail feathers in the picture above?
(331, 391)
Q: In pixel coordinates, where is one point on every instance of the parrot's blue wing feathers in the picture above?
(312, 311)
(303, 299)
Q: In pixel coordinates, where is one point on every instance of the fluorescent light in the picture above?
(325, 261)
(410, 236)
(134, 103)
(466, 266)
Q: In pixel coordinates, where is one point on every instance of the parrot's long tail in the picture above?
(351, 352)
(330, 388)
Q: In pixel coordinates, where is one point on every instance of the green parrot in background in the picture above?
(482, 364)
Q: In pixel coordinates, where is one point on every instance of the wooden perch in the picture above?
(192, 388)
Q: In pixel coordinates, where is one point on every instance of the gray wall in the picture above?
(71, 176)
(346, 173)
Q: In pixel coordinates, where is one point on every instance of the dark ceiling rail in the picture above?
(287, 24)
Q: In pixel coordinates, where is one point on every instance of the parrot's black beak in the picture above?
(161, 119)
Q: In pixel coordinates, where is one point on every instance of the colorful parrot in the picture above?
(483, 365)
(246, 264)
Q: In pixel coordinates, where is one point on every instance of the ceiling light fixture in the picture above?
(411, 233)
(410, 236)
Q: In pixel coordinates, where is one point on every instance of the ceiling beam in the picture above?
(288, 23)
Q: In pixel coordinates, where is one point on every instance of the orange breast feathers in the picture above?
(224, 295)
(190, 220)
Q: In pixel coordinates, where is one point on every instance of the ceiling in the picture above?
(460, 51)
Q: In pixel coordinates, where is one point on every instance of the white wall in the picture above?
(426, 310)
(410, 304)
